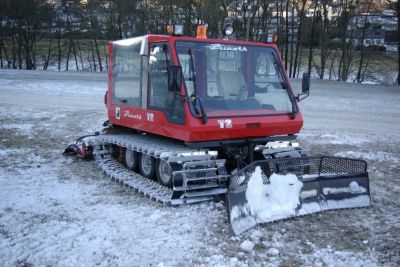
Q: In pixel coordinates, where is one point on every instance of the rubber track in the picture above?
(157, 148)
(140, 184)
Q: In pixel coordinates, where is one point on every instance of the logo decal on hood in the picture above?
(222, 47)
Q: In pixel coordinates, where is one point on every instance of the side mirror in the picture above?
(174, 78)
(305, 83)
(305, 87)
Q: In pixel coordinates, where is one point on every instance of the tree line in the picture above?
(313, 35)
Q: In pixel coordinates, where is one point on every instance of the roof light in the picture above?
(202, 32)
(228, 30)
(175, 29)
(170, 29)
(178, 29)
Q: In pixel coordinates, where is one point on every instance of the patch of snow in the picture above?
(330, 257)
(54, 87)
(157, 215)
(354, 187)
(25, 128)
(371, 82)
(86, 222)
(17, 114)
(233, 261)
(376, 155)
(340, 138)
(5, 152)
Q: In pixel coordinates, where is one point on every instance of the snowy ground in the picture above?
(61, 211)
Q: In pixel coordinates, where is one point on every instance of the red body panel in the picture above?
(194, 130)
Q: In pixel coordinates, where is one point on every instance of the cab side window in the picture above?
(160, 98)
(126, 74)
(158, 63)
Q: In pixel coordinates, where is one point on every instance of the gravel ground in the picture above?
(61, 211)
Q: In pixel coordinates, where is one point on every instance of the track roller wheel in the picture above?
(131, 159)
(147, 166)
(164, 173)
(114, 150)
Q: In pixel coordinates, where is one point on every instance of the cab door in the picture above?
(159, 96)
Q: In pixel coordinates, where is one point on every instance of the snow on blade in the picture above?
(267, 202)
(353, 202)
(353, 188)
(282, 195)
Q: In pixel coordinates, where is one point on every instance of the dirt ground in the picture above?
(61, 211)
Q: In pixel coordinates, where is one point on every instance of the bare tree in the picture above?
(2, 15)
(1, 35)
(395, 6)
(48, 55)
(25, 19)
(398, 39)
(346, 58)
(310, 55)
(223, 14)
(287, 33)
(299, 37)
(360, 76)
(292, 40)
(95, 30)
(59, 55)
(324, 38)
(25, 41)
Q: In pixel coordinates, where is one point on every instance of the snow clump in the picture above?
(247, 246)
(272, 252)
(275, 200)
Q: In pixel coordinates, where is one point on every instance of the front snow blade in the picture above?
(276, 189)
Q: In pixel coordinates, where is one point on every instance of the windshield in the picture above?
(234, 80)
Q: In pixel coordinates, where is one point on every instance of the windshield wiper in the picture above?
(196, 98)
(192, 71)
(294, 108)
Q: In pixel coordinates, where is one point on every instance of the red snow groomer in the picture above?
(192, 118)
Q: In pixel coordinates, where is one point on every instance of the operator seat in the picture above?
(229, 83)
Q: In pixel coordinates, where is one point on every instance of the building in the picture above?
(381, 30)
